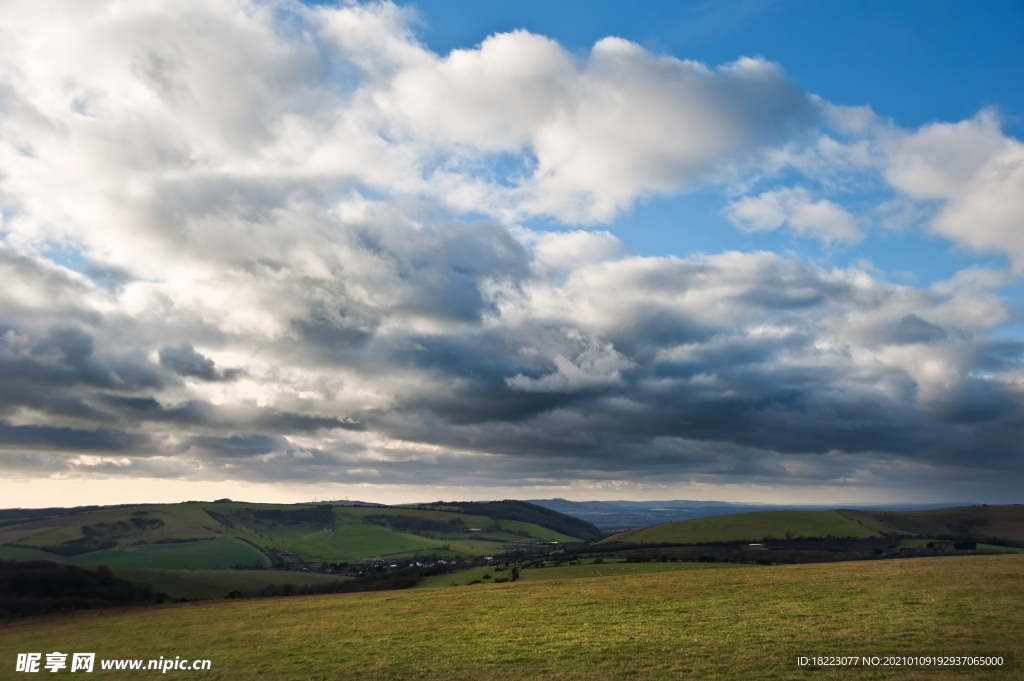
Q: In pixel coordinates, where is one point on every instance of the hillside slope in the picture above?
(1000, 523)
(219, 535)
(748, 527)
(960, 522)
(521, 511)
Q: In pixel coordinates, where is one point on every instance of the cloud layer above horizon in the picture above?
(263, 241)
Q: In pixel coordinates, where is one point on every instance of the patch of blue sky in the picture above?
(686, 225)
(1013, 328)
(65, 255)
(510, 169)
(693, 223)
(505, 169)
(73, 258)
(914, 257)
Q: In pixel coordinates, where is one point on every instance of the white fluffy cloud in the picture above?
(795, 209)
(978, 174)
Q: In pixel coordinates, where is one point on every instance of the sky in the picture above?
(745, 251)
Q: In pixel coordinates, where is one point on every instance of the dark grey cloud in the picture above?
(71, 439)
(239, 446)
(185, 361)
(66, 356)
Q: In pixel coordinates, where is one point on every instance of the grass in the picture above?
(749, 527)
(357, 513)
(748, 623)
(999, 549)
(979, 522)
(918, 543)
(69, 527)
(352, 538)
(180, 521)
(616, 569)
(215, 554)
(312, 542)
(23, 553)
(542, 533)
(216, 583)
(360, 540)
(185, 521)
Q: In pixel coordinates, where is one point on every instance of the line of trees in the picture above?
(39, 587)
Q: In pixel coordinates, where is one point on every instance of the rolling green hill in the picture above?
(1002, 523)
(219, 535)
(748, 527)
(216, 583)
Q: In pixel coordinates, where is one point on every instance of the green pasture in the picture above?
(921, 543)
(361, 540)
(476, 546)
(999, 549)
(741, 623)
(352, 514)
(180, 521)
(748, 527)
(216, 583)
(608, 569)
(185, 521)
(214, 554)
(69, 527)
(23, 553)
(312, 542)
(542, 533)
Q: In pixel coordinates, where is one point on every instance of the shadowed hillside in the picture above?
(961, 522)
(522, 511)
(1000, 523)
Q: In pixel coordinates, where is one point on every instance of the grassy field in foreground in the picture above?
(216, 583)
(748, 623)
